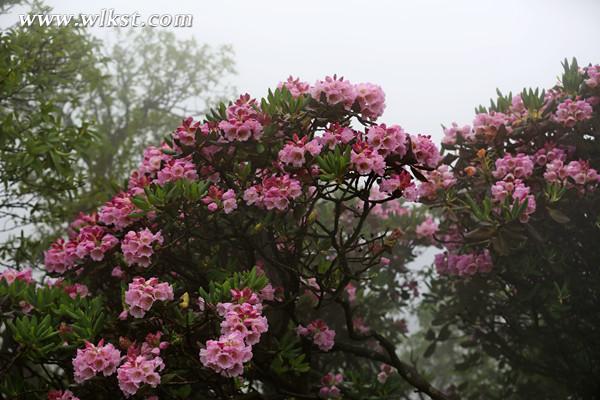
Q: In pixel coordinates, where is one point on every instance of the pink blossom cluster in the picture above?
(427, 228)
(226, 355)
(396, 182)
(320, 334)
(549, 153)
(579, 172)
(371, 100)
(9, 275)
(487, 125)
(218, 199)
(385, 370)
(82, 220)
(296, 87)
(570, 111)
(138, 369)
(454, 132)
(366, 159)
(137, 247)
(92, 240)
(186, 132)
(440, 178)
(61, 395)
(243, 121)
(153, 159)
(329, 386)
(117, 211)
(463, 264)
(274, 192)
(175, 169)
(516, 191)
(75, 290)
(517, 109)
(334, 91)
(519, 166)
(387, 140)
(337, 134)
(93, 360)
(241, 328)
(593, 73)
(425, 151)
(293, 153)
(141, 295)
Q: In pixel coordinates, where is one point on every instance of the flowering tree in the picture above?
(252, 255)
(519, 274)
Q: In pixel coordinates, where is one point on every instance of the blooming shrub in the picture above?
(519, 229)
(229, 233)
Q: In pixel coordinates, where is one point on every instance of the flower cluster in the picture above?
(241, 328)
(371, 100)
(463, 264)
(243, 121)
(427, 228)
(141, 295)
(61, 395)
(385, 370)
(175, 169)
(10, 275)
(218, 199)
(487, 125)
(593, 79)
(274, 192)
(387, 140)
(92, 240)
(365, 159)
(296, 87)
(137, 247)
(142, 365)
(93, 360)
(425, 151)
(186, 132)
(320, 334)
(519, 166)
(329, 389)
(440, 178)
(454, 132)
(293, 153)
(117, 211)
(579, 172)
(570, 111)
(518, 192)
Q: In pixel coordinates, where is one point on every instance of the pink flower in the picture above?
(351, 292)
(116, 212)
(60, 257)
(425, 151)
(569, 112)
(593, 73)
(321, 335)
(216, 198)
(385, 370)
(296, 87)
(242, 121)
(371, 100)
(334, 91)
(329, 389)
(227, 355)
(486, 126)
(463, 264)
(335, 135)
(519, 166)
(365, 159)
(94, 241)
(137, 247)
(293, 153)
(180, 168)
(517, 192)
(440, 178)
(139, 368)
(142, 293)
(60, 395)
(93, 360)
(427, 228)
(10, 275)
(454, 132)
(186, 132)
(387, 140)
(275, 192)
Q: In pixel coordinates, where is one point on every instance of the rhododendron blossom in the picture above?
(10, 275)
(334, 91)
(463, 264)
(142, 293)
(61, 395)
(274, 192)
(117, 211)
(454, 132)
(296, 87)
(137, 247)
(93, 360)
(329, 389)
(139, 369)
(486, 126)
(371, 100)
(319, 333)
(569, 112)
(519, 166)
(181, 168)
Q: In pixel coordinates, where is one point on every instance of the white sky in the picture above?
(436, 60)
